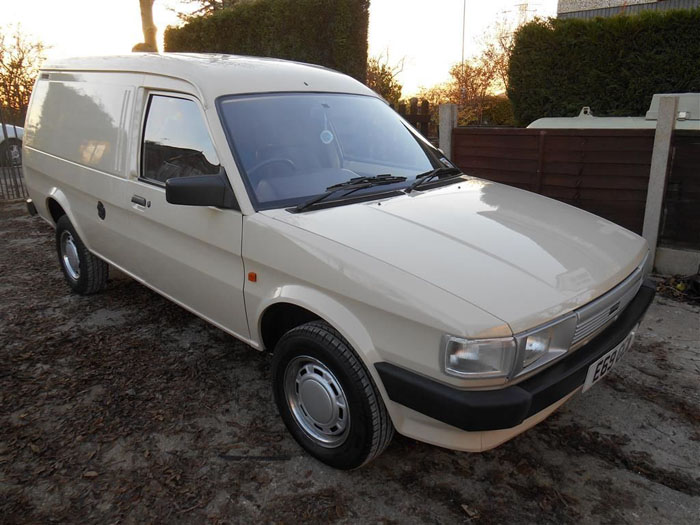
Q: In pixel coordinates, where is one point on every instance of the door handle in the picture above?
(137, 199)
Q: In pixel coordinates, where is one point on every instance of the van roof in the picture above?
(218, 74)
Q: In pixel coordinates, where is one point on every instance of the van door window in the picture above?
(176, 142)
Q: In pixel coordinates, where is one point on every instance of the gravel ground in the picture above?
(124, 408)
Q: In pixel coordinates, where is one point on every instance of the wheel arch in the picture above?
(279, 318)
(55, 209)
(57, 205)
(301, 305)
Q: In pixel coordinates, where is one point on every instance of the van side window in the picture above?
(176, 142)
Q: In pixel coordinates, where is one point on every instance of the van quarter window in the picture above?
(176, 142)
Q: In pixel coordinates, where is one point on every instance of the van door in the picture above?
(191, 254)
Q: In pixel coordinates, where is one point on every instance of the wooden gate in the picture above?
(418, 115)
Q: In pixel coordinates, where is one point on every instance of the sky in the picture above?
(425, 34)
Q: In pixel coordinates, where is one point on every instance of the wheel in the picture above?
(11, 153)
(327, 399)
(85, 273)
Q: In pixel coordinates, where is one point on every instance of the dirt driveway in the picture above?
(124, 408)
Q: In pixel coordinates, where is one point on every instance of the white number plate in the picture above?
(603, 365)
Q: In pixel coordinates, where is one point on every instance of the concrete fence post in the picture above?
(665, 123)
(448, 121)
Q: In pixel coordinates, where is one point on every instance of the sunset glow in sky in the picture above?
(426, 34)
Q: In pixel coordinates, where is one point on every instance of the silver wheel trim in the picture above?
(69, 255)
(317, 401)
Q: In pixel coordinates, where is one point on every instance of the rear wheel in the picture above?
(84, 272)
(327, 398)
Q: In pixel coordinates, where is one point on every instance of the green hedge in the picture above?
(614, 65)
(332, 33)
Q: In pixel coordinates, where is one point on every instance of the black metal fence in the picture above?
(11, 178)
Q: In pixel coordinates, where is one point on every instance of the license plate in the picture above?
(603, 365)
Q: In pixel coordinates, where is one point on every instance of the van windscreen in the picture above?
(292, 146)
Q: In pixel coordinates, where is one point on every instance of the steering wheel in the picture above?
(185, 155)
(272, 161)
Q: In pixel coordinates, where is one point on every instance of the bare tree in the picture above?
(472, 87)
(381, 77)
(471, 83)
(149, 28)
(498, 46)
(20, 59)
(206, 7)
(478, 84)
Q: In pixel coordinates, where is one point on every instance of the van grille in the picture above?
(595, 316)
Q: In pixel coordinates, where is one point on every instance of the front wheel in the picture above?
(327, 399)
(84, 272)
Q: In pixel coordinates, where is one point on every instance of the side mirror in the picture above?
(202, 190)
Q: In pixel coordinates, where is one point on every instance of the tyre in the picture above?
(11, 153)
(85, 273)
(327, 399)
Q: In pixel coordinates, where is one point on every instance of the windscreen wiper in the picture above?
(441, 172)
(354, 184)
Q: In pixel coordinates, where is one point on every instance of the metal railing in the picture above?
(11, 178)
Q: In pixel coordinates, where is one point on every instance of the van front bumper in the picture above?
(505, 408)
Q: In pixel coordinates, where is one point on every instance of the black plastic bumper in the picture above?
(510, 406)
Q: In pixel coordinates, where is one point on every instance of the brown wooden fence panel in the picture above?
(605, 172)
(680, 223)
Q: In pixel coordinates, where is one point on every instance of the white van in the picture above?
(288, 205)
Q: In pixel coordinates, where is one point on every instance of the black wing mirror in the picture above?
(202, 190)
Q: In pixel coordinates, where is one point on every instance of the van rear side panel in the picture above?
(76, 150)
(82, 119)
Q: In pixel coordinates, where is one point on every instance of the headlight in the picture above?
(483, 358)
(545, 343)
(508, 357)
(536, 346)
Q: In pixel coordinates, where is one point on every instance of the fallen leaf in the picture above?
(90, 474)
(472, 513)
